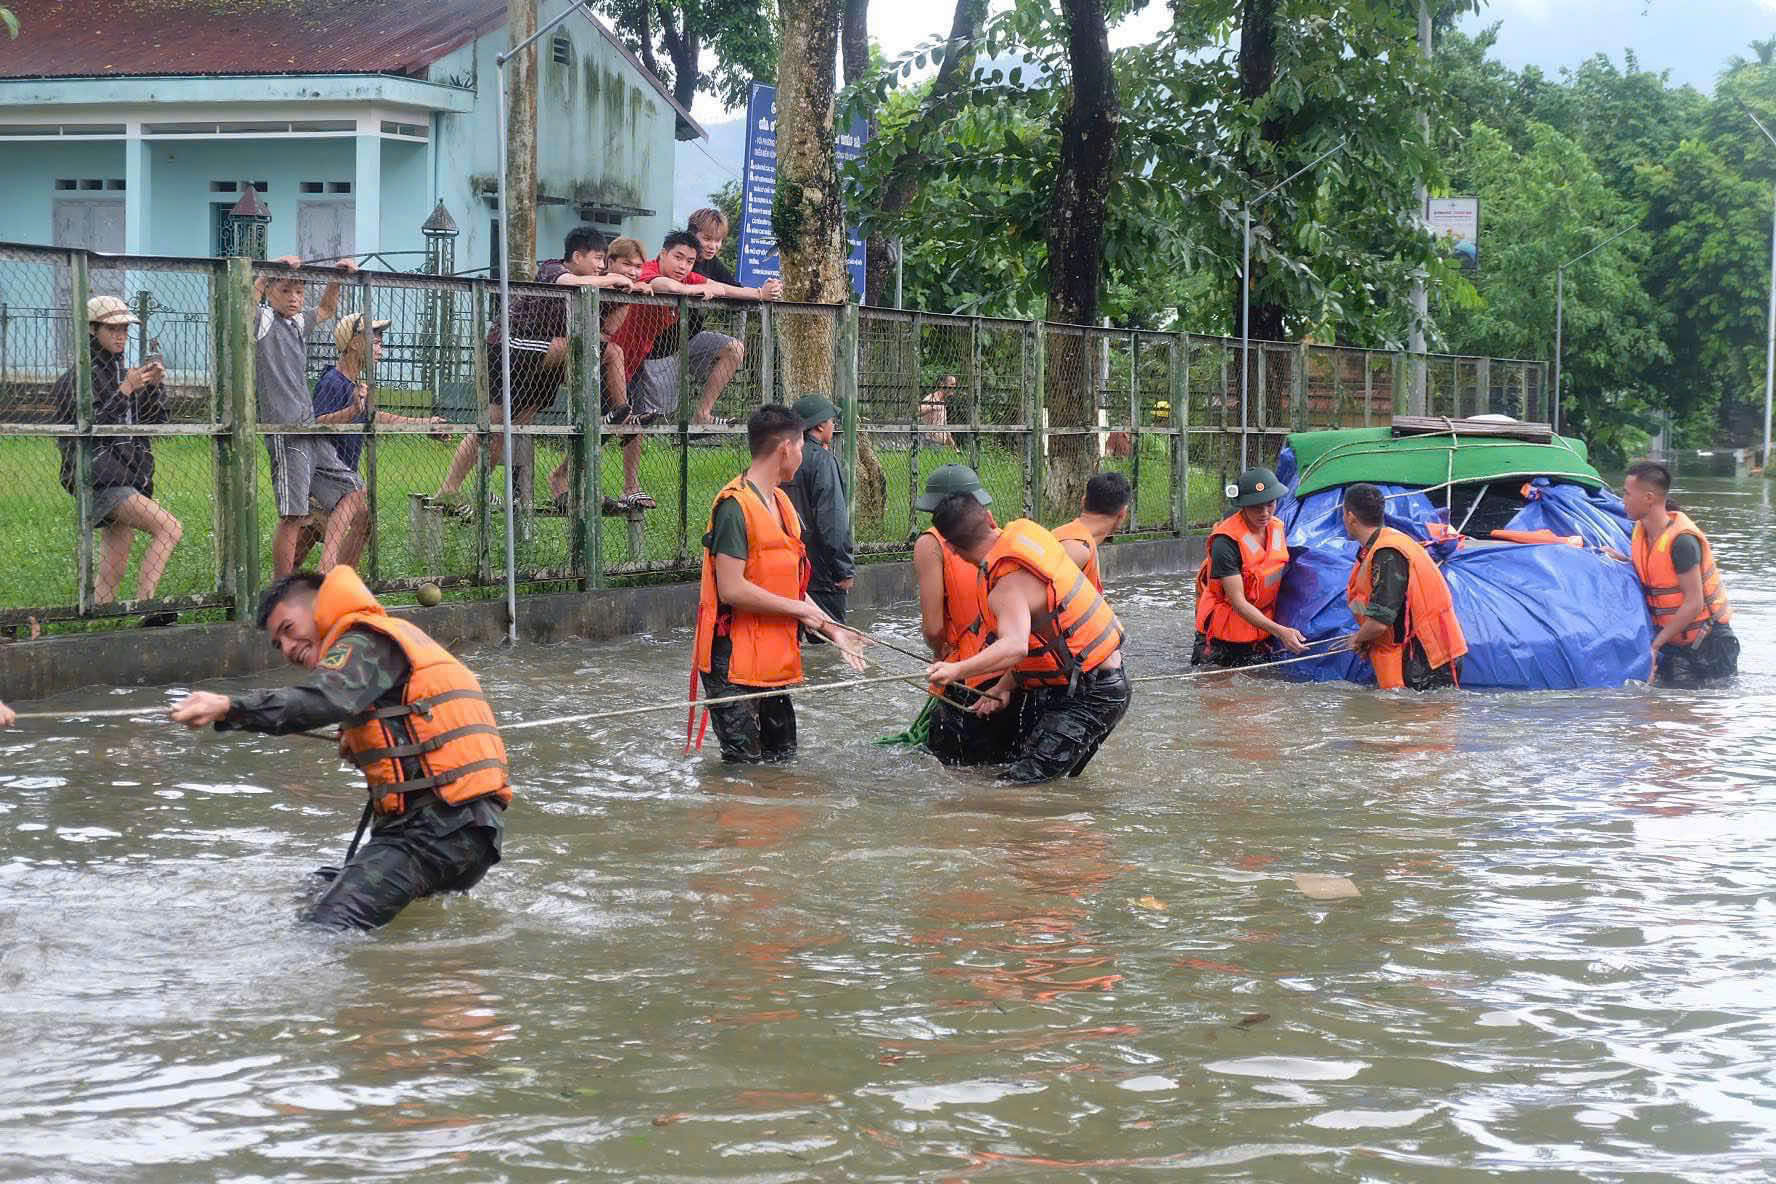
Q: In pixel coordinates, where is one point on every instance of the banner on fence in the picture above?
(758, 189)
(1456, 223)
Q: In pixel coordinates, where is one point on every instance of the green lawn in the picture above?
(37, 517)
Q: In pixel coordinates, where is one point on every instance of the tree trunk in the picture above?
(1257, 72)
(521, 143)
(1076, 247)
(686, 50)
(808, 216)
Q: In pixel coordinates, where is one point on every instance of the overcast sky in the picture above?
(1690, 38)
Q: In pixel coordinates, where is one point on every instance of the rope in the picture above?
(806, 688)
(1325, 653)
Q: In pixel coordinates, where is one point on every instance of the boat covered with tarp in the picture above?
(1526, 531)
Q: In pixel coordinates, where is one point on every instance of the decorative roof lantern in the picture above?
(245, 229)
(440, 238)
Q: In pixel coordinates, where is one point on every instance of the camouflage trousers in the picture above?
(401, 863)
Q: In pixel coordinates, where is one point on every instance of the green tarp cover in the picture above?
(1326, 460)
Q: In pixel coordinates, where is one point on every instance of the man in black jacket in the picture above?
(818, 493)
(121, 476)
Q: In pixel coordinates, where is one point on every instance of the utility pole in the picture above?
(521, 141)
(1770, 342)
(1421, 307)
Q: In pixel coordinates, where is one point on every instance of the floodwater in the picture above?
(866, 967)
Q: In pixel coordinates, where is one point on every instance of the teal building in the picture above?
(133, 128)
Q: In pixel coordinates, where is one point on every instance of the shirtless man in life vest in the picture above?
(1102, 512)
(411, 717)
(1055, 637)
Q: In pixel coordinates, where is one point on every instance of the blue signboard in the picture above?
(758, 246)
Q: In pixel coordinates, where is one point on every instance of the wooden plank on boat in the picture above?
(1430, 425)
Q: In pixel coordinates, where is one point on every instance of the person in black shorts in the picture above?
(539, 358)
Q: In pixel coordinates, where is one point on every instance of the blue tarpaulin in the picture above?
(1536, 616)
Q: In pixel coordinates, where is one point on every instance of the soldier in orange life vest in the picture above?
(952, 602)
(1052, 634)
(1103, 510)
(1237, 585)
(755, 594)
(1692, 642)
(411, 716)
(1406, 623)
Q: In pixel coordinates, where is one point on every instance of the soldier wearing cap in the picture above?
(818, 494)
(120, 469)
(952, 600)
(1237, 585)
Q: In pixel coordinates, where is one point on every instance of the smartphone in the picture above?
(152, 357)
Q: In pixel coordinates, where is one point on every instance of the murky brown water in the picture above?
(867, 967)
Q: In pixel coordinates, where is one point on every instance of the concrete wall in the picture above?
(28, 173)
(190, 653)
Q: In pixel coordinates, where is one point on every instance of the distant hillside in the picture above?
(696, 176)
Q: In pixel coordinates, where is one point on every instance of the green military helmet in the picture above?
(951, 479)
(1256, 486)
(814, 410)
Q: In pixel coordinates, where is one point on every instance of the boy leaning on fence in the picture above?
(302, 466)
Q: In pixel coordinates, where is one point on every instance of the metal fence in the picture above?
(920, 390)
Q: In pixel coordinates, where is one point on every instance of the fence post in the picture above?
(1400, 379)
(974, 420)
(638, 528)
(767, 355)
(586, 504)
(83, 422)
(239, 505)
(1134, 429)
(915, 347)
(1036, 438)
(483, 429)
(1483, 383)
(1298, 394)
(845, 395)
(373, 540)
(1368, 387)
(1180, 425)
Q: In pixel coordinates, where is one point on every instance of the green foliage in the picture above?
(1331, 246)
(740, 34)
(10, 20)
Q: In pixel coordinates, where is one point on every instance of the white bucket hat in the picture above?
(109, 310)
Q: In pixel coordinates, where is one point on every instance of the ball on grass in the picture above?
(430, 594)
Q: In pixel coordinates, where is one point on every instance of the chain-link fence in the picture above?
(228, 421)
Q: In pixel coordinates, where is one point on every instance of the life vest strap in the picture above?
(370, 756)
(437, 780)
(421, 707)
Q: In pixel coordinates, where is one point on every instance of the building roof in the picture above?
(186, 38)
(82, 38)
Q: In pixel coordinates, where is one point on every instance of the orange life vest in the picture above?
(1077, 633)
(1658, 579)
(1075, 531)
(767, 652)
(1262, 561)
(965, 615)
(1430, 613)
(450, 728)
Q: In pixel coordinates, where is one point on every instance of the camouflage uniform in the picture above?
(429, 847)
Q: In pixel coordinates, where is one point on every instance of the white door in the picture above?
(92, 224)
(325, 230)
